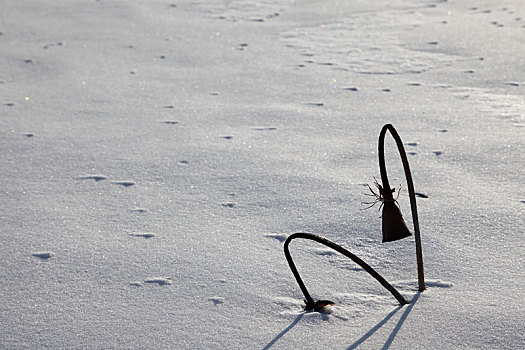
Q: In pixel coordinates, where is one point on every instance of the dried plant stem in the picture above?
(310, 303)
(411, 192)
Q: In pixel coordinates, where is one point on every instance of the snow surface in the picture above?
(217, 128)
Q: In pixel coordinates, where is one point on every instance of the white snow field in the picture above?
(155, 155)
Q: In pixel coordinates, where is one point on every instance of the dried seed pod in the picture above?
(394, 226)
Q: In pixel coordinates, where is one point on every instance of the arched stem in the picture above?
(411, 193)
(308, 299)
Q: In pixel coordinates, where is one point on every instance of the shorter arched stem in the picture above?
(308, 299)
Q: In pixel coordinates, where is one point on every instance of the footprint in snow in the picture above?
(123, 183)
(44, 255)
(264, 128)
(229, 204)
(58, 43)
(216, 300)
(96, 177)
(280, 237)
(161, 281)
(324, 252)
(241, 47)
(143, 234)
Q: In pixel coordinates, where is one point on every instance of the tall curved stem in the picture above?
(411, 193)
(308, 299)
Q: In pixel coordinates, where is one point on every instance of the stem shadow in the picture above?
(392, 336)
(286, 330)
(401, 321)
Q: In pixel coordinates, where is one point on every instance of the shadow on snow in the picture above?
(368, 334)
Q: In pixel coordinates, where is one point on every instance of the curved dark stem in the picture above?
(411, 192)
(310, 303)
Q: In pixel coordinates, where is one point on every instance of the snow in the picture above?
(157, 154)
